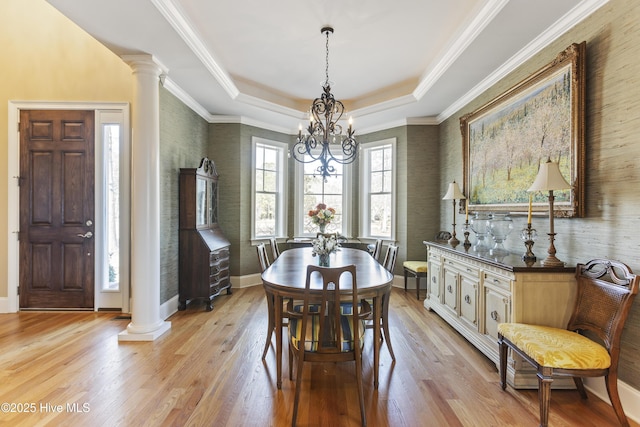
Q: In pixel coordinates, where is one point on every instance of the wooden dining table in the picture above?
(286, 278)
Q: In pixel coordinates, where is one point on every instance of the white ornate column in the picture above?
(146, 324)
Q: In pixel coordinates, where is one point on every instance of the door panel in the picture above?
(56, 203)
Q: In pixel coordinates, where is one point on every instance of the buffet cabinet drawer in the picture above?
(497, 281)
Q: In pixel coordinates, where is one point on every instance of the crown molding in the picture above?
(576, 15)
(453, 51)
(184, 29)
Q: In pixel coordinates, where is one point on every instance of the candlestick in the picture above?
(466, 227)
(528, 236)
(466, 210)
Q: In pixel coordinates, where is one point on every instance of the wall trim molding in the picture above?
(629, 396)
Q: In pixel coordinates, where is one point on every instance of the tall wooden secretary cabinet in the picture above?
(204, 250)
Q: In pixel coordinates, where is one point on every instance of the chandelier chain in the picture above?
(326, 70)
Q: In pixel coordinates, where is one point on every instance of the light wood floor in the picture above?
(207, 371)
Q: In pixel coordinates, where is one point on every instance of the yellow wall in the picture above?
(46, 57)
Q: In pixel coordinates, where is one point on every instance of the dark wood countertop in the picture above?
(511, 262)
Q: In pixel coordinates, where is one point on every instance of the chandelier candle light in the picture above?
(454, 193)
(550, 178)
(324, 129)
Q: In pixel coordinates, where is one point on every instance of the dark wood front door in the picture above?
(56, 209)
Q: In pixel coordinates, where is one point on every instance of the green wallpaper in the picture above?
(183, 142)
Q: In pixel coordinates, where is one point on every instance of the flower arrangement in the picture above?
(324, 245)
(322, 215)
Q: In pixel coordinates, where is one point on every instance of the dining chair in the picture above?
(321, 330)
(263, 259)
(275, 252)
(606, 290)
(389, 264)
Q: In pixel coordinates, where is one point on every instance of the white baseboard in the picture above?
(629, 396)
(246, 281)
(169, 307)
(4, 305)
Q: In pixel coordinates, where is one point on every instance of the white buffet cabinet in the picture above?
(474, 292)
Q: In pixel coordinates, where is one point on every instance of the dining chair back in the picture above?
(606, 290)
(263, 259)
(275, 252)
(390, 258)
(377, 248)
(322, 330)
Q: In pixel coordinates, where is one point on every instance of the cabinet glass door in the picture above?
(201, 202)
(213, 192)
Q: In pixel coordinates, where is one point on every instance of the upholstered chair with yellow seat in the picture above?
(606, 290)
(417, 269)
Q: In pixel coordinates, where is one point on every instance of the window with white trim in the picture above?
(312, 189)
(378, 189)
(268, 189)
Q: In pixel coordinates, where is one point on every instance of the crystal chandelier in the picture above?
(324, 129)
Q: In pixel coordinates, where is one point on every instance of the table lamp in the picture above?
(550, 178)
(454, 193)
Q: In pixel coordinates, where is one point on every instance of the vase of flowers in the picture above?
(324, 246)
(322, 216)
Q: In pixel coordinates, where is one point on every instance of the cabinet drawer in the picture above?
(219, 255)
(497, 281)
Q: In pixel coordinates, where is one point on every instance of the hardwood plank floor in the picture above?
(69, 369)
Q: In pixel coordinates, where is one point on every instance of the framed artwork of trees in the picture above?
(538, 119)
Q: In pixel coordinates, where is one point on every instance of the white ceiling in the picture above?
(390, 62)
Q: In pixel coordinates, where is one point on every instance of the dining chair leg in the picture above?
(271, 324)
(611, 382)
(296, 400)
(503, 362)
(544, 395)
(385, 324)
(363, 416)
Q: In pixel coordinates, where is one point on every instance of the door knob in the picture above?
(86, 235)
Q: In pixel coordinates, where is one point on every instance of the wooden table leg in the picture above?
(278, 314)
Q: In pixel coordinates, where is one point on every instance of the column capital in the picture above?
(145, 63)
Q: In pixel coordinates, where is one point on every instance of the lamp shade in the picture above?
(549, 178)
(454, 193)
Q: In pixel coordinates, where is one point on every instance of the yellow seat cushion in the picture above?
(556, 348)
(417, 266)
